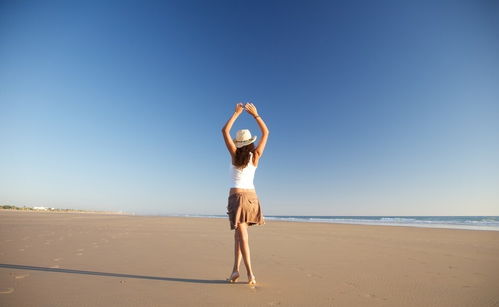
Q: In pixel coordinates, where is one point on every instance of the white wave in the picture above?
(490, 224)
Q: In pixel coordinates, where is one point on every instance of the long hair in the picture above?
(242, 156)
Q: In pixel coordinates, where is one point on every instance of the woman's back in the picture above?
(243, 177)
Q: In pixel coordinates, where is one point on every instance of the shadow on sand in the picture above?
(70, 271)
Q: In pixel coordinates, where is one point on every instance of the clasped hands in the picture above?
(249, 107)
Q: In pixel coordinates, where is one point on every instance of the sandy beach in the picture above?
(72, 259)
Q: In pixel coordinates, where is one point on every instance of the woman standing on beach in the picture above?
(243, 205)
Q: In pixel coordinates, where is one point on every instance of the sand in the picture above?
(72, 259)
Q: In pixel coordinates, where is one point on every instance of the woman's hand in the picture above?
(251, 109)
(239, 108)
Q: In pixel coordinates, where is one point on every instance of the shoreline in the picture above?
(291, 219)
(297, 220)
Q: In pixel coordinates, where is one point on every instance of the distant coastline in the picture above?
(56, 210)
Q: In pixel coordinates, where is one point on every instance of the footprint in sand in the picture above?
(351, 284)
(55, 266)
(374, 296)
(80, 249)
(79, 254)
(57, 259)
(370, 295)
(308, 274)
(21, 275)
(6, 290)
(21, 249)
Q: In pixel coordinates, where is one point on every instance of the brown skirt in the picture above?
(244, 207)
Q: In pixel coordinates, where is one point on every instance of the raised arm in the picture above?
(251, 109)
(226, 129)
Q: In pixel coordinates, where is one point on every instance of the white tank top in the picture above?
(243, 178)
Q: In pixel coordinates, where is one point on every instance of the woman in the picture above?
(243, 205)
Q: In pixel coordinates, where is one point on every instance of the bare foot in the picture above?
(251, 279)
(233, 277)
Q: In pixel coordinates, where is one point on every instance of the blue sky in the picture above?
(374, 108)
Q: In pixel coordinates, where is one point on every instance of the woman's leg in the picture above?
(237, 252)
(245, 249)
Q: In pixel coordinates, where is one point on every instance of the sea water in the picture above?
(456, 222)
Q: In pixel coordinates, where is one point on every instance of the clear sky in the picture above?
(374, 108)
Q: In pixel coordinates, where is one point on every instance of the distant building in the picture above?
(40, 208)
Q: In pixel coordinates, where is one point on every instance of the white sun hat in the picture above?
(243, 138)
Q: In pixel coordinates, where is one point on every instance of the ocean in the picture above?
(455, 222)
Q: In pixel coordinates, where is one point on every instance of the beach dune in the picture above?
(75, 259)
